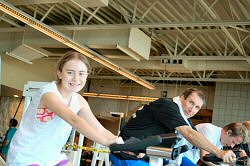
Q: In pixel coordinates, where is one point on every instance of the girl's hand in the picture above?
(119, 140)
(116, 140)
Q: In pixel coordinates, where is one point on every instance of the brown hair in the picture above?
(237, 129)
(247, 124)
(190, 91)
(69, 56)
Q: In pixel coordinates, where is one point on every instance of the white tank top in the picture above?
(37, 142)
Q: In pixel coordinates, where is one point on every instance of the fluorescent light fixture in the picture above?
(119, 97)
(27, 19)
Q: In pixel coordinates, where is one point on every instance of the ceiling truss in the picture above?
(190, 40)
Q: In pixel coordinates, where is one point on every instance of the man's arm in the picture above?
(201, 142)
(204, 153)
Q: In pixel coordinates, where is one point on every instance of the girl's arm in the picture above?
(88, 115)
(55, 104)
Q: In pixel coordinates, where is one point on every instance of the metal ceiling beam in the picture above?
(176, 46)
(195, 45)
(71, 15)
(186, 67)
(167, 46)
(89, 12)
(84, 3)
(240, 29)
(177, 79)
(149, 8)
(32, 2)
(215, 58)
(196, 65)
(91, 16)
(184, 57)
(200, 79)
(39, 10)
(200, 31)
(145, 25)
(215, 16)
(233, 11)
(47, 13)
(11, 22)
(242, 41)
(134, 11)
(206, 12)
(232, 39)
(243, 9)
(119, 8)
(154, 25)
(81, 17)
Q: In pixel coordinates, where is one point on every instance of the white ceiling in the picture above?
(191, 40)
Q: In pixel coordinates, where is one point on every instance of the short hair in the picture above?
(190, 91)
(237, 129)
(13, 122)
(69, 56)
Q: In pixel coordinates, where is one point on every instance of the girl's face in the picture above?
(73, 75)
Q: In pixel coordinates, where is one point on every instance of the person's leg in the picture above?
(186, 162)
(137, 163)
(118, 162)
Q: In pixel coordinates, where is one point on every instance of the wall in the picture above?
(104, 106)
(8, 107)
(231, 103)
(16, 73)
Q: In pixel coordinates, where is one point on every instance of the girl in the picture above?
(53, 111)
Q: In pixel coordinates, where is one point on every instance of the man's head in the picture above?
(247, 125)
(192, 100)
(233, 134)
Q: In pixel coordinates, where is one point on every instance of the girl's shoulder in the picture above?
(82, 101)
(49, 87)
(80, 98)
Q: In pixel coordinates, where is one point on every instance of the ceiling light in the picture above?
(15, 96)
(119, 97)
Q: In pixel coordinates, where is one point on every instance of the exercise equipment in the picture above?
(91, 149)
(157, 154)
(154, 148)
(134, 144)
(240, 161)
